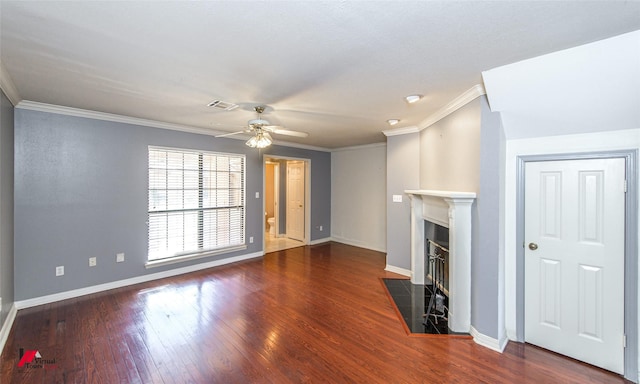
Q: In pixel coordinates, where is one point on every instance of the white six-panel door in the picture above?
(574, 259)
(295, 200)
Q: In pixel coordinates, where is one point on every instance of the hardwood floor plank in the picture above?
(305, 315)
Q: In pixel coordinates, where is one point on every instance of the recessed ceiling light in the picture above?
(413, 98)
(393, 121)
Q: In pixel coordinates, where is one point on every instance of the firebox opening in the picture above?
(437, 275)
(437, 244)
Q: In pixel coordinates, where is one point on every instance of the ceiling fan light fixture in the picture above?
(393, 122)
(259, 122)
(413, 98)
(260, 140)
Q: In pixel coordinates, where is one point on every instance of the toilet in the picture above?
(272, 226)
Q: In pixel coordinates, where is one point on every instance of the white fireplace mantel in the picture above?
(451, 210)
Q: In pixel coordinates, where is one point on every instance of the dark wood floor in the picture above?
(314, 314)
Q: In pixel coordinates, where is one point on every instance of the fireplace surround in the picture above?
(452, 210)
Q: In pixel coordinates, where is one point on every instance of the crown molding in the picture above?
(301, 146)
(401, 131)
(356, 147)
(457, 103)
(8, 87)
(77, 112)
(69, 111)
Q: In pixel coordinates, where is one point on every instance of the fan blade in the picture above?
(233, 133)
(287, 132)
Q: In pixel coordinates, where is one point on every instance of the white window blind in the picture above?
(196, 202)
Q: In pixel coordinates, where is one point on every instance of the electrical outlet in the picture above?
(251, 239)
(60, 270)
(257, 195)
(119, 257)
(92, 261)
(320, 228)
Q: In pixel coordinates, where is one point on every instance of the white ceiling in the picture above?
(596, 87)
(335, 69)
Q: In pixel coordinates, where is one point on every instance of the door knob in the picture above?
(533, 246)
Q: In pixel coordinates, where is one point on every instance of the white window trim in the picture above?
(192, 256)
(211, 252)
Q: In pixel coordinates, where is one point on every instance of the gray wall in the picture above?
(403, 172)
(358, 196)
(81, 191)
(485, 277)
(6, 206)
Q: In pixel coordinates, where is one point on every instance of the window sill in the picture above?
(192, 256)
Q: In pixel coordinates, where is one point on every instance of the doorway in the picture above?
(286, 203)
(576, 271)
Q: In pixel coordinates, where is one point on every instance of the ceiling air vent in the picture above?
(219, 104)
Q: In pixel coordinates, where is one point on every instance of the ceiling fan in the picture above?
(262, 130)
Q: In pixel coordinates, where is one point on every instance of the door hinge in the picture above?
(625, 186)
(624, 341)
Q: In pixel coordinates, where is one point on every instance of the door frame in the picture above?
(307, 193)
(276, 194)
(630, 246)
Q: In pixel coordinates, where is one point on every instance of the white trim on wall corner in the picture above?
(457, 103)
(398, 270)
(489, 342)
(401, 131)
(356, 147)
(8, 87)
(6, 327)
(320, 241)
(85, 113)
(134, 280)
(77, 112)
(465, 98)
(294, 145)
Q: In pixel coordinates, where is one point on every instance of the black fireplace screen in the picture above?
(437, 273)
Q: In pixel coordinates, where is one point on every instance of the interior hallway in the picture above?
(272, 243)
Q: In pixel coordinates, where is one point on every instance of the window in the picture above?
(196, 202)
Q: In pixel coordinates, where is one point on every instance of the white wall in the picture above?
(591, 88)
(450, 151)
(358, 204)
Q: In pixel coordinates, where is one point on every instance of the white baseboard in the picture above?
(6, 326)
(134, 280)
(357, 243)
(489, 342)
(398, 270)
(320, 241)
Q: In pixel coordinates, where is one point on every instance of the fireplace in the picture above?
(437, 255)
(451, 210)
